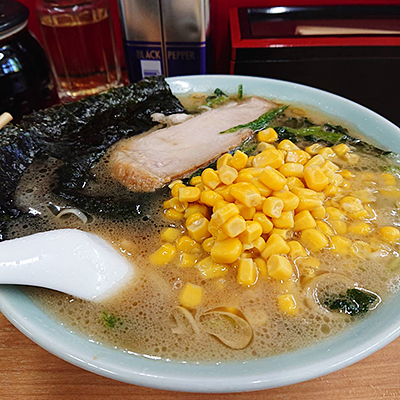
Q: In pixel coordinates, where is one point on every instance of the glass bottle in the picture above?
(79, 40)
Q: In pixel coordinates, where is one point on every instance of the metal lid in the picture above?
(12, 14)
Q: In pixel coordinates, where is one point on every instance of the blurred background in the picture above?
(348, 47)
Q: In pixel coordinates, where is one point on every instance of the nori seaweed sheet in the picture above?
(78, 133)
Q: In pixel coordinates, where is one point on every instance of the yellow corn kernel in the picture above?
(351, 158)
(315, 178)
(287, 145)
(239, 160)
(334, 214)
(221, 235)
(296, 250)
(226, 251)
(255, 171)
(340, 227)
(224, 191)
(313, 149)
(185, 243)
(351, 205)
(208, 244)
(308, 203)
(275, 245)
(210, 269)
(283, 233)
(246, 212)
(309, 262)
(209, 197)
(260, 206)
(221, 215)
(163, 255)
(361, 229)
(325, 228)
(273, 207)
(247, 272)
(198, 229)
(175, 188)
(327, 152)
(227, 174)
(188, 260)
(210, 178)
(290, 200)
(264, 146)
(246, 193)
(293, 182)
(234, 226)
(319, 213)
(292, 169)
(340, 245)
(361, 249)
(285, 220)
(314, 239)
(268, 135)
(189, 194)
(273, 179)
(389, 179)
(193, 217)
(287, 304)
(297, 156)
(346, 174)
(341, 149)
(265, 223)
(201, 186)
(170, 234)
(224, 160)
(390, 234)
(317, 160)
(173, 215)
(252, 232)
(304, 220)
(331, 190)
(264, 190)
(309, 193)
(335, 178)
(176, 204)
(244, 176)
(196, 209)
(250, 161)
(279, 267)
(175, 182)
(308, 266)
(191, 296)
(261, 266)
(195, 180)
(268, 158)
(220, 204)
(259, 244)
(329, 166)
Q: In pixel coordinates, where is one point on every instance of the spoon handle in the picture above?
(67, 260)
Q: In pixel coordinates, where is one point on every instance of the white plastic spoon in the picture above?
(68, 260)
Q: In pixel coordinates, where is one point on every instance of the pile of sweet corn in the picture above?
(268, 215)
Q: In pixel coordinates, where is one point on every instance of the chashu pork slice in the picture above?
(149, 161)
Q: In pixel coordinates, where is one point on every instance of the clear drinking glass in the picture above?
(79, 40)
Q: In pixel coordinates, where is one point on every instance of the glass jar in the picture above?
(25, 75)
(79, 40)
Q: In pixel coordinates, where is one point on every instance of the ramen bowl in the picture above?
(363, 338)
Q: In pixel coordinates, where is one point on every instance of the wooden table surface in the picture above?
(29, 372)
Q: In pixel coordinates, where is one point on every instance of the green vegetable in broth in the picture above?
(110, 320)
(354, 302)
(217, 98)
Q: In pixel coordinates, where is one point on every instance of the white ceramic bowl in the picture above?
(361, 340)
